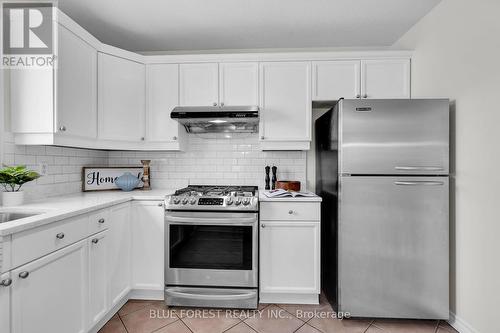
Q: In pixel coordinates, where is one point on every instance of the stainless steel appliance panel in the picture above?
(393, 247)
(216, 275)
(394, 136)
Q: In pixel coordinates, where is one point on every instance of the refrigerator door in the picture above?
(393, 247)
(394, 136)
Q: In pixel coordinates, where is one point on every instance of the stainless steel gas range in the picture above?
(211, 247)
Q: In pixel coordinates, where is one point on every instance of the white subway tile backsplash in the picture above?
(211, 159)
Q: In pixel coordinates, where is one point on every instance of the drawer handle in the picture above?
(5, 283)
(101, 220)
(290, 212)
(95, 240)
(24, 274)
(60, 235)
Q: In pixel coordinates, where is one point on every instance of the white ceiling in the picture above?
(170, 25)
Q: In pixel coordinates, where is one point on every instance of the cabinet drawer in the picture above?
(305, 211)
(98, 221)
(35, 243)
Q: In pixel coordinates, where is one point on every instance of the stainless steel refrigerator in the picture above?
(382, 170)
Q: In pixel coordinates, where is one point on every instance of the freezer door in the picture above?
(394, 247)
(394, 136)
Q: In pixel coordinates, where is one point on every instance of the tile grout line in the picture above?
(189, 328)
(369, 325)
(240, 321)
(159, 328)
(118, 312)
(250, 327)
(121, 320)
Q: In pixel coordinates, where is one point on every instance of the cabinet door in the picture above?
(162, 97)
(119, 253)
(199, 84)
(289, 257)
(385, 78)
(76, 86)
(50, 294)
(5, 288)
(98, 277)
(148, 245)
(333, 80)
(285, 100)
(239, 83)
(121, 99)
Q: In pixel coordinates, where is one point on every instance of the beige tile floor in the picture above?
(153, 316)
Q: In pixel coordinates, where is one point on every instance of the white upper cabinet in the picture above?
(162, 88)
(285, 103)
(333, 80)
(199, 84)
(76, 86)
(385, 78)
(239, 83)
(121, 99)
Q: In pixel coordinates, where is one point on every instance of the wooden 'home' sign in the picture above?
(103, 178)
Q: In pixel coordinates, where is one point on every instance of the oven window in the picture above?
(211, 247)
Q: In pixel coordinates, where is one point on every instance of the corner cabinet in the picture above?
(285, 104)
(98, 277)
(289, 252)
(121, 99)
(385, 78)
(50, 294)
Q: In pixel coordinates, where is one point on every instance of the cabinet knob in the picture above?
(290, 212)
(6, 282)
(160, 205)
(62, 128)
(24, 274)
(95, 240)
(262, 137)
(365, 96)
(174, 138)
(214, 104)
(142, 139)
(358, 96)
(101, 220)
(263, 225)
(60, 235)
(221, 104)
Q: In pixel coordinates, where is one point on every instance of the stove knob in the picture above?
(246, 201)
(184, 201)
(192, 201)
(176, 200)
(229, 201)
(237, 202)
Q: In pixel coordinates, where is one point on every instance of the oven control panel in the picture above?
(210, 201)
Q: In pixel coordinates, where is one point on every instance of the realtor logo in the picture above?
(28, 36)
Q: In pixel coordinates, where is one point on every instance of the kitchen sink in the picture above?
(6, 216)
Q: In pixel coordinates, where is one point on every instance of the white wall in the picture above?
(457, 53)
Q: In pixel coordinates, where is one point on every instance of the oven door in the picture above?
(215, 249)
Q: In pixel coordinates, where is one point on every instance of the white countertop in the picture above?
(264, 198)
(62, 207)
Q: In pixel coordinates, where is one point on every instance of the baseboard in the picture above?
(147, 294)
(282, 298)
(109, 315)
(461, 325)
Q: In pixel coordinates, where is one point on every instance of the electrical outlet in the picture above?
(42, 168)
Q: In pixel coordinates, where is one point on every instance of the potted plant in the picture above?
(12, 178)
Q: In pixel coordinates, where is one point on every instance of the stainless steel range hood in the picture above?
(217, 119)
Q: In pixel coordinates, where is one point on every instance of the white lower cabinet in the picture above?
(98, 277)
(289, 256)
(147, 245)
(5, 290)
(118, 259)
(50, 294)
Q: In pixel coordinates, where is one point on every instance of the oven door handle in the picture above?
(209, 220)
(205, 297)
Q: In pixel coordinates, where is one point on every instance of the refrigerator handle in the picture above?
(416, 183)
(419, 168)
